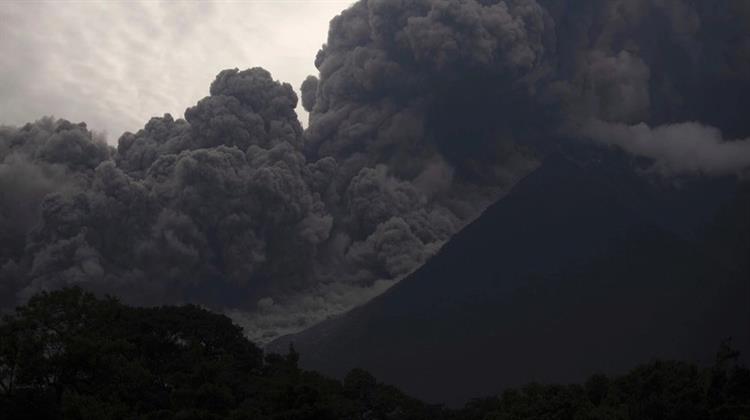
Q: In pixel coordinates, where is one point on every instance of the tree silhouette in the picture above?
(67, 354)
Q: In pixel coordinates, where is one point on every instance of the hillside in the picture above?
(585, 267)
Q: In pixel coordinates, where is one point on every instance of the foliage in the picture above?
(67, 354)
(664, 390)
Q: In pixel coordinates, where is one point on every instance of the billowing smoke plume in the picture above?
(184, 210)
(38, 162)
(423, 113)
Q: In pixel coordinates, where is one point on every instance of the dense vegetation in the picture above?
(68, 354)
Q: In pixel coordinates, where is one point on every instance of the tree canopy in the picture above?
(68, 354)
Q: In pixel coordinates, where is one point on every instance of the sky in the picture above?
(115, 64)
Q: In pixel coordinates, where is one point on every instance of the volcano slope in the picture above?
(586, 266)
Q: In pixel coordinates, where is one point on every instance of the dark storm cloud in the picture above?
(423, 113)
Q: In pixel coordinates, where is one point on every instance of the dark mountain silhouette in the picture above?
(586, 266)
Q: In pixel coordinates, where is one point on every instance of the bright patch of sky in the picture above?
(115, 64)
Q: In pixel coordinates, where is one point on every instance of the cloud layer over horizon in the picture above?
(116, 64)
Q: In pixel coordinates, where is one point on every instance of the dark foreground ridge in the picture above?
(67, 354)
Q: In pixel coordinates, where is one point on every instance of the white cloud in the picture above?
(677, 149)
(115, 64)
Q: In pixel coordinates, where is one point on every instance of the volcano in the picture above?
(586, 266)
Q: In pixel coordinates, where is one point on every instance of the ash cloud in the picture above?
(193, 209)
(423, 113)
